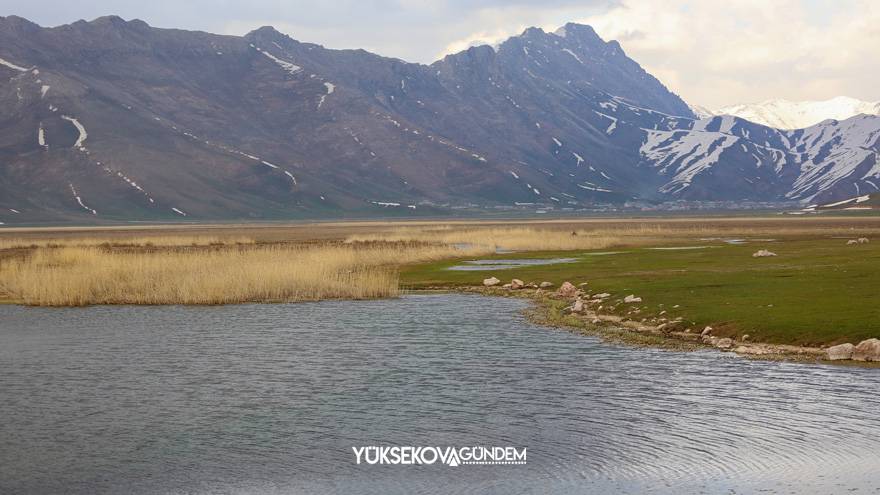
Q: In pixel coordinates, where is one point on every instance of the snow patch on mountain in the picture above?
(12, 66)
(83, 134)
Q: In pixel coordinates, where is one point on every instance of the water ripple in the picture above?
(271, 398)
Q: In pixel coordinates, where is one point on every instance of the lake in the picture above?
(272, 398)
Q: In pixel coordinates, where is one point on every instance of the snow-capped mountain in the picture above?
(785, 114)
(120, 120)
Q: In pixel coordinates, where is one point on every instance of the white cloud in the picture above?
(719, 53)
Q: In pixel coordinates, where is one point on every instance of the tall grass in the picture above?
(76, 276)
(126, 241)
(515, 238)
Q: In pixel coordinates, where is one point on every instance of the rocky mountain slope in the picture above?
(114, 119)
(785, 114)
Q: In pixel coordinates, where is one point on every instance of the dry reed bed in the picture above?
(515, 238)
(126, 241)
(561, 238)
(77, 276)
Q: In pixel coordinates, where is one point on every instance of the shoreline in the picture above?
(550, 310)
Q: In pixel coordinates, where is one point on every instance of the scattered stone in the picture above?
(578, 306)
(545, 285)
(632, 299)
(662, 312)
(603, 295)
(583, 284)
(725, 343)
(505, 286)
(867, 350)
(706, 331)
(745, 338)
(838, 352)
(491, 281)
(763, 253)
(851, 242)
(532, 285)
(676, 306)
(517, 284)
(596, 321)
(567, 289)
(863, 240)
(755, 350)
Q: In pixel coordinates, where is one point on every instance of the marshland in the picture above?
(817, 291)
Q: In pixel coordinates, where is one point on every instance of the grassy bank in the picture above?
(815, 292)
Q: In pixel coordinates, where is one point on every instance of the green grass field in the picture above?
(815, 292)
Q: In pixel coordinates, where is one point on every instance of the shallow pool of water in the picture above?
(483, 265)
(271, 398)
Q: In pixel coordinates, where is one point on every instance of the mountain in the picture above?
(115, 119)
(785, 114)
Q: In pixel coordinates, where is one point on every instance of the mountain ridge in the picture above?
(117, 119)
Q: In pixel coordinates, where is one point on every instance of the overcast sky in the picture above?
(712, 53)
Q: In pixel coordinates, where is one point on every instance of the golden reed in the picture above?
(77, 276)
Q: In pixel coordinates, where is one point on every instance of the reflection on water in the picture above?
(271, 398)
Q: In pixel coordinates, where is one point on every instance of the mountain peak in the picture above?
(582, 32)
(787, 114)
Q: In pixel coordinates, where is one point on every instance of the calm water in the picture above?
(483, 265)
(271, 398)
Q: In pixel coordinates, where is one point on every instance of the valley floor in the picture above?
(689, 273)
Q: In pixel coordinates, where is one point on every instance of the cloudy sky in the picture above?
(712, 53)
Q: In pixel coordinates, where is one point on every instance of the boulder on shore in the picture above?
(706, 331)
(567, 289)
(851, 242)
(863, 240)
(838, 352)
(632, 299)
(545, 285)
(867, 350)
(489, 282)
(517, 284)
(578, 306)
(724, 343)
(763, 253)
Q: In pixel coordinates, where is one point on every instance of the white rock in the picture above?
(867, 350)
(578, 306)
(842, 351)
(863, 240)
(706, 331)
(545, 285)
(517, 284)
(567, 289)
(489, 282)
(725, 343)
(851, 242)
(763, 253)
(603, 295)
(632, 299)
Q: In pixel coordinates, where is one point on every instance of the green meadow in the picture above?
(815, 292)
